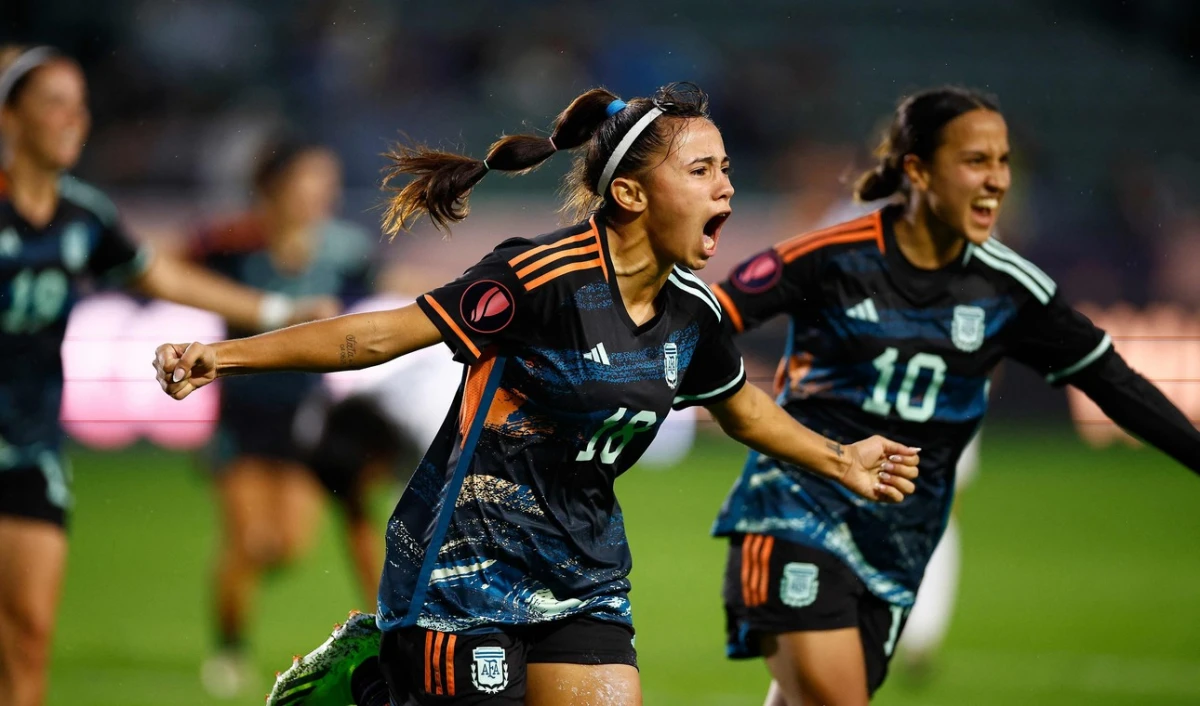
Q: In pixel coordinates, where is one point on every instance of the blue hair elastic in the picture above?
(615, 107)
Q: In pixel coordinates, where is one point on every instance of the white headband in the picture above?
(623, 147)
(26, 62)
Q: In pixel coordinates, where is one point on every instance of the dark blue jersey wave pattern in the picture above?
(43, 271)
(511, 517)
(877, 346)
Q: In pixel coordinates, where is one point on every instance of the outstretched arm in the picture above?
(182, 282)
(875, 468)
(1139, 407)
(342, 343)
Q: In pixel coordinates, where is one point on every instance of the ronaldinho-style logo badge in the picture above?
(967, 329)
(671, 364)
(489, 671)
(759, 273)
(487, 306)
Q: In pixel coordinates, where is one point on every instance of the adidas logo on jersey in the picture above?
(597, 355)
(864, 311)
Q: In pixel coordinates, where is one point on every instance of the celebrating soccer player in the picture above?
(897, 318)
(507, 563)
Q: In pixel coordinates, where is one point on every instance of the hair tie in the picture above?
(623, 146)
(551, 141)
(486, 166)
(615, 107)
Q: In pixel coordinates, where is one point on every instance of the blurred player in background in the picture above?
(507, 563)
(57, 236)
(929, 620)
(897, 319)
(288, 243)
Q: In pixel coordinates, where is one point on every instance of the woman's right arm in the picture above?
(342, 343)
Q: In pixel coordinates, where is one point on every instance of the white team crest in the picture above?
(489, 671)
(966, 330)
(671, 364)
(798, 587)
(75, 247)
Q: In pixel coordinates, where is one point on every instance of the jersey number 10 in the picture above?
(878, 402)
(617, 432)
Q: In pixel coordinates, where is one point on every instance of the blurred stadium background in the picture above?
(1080, 554)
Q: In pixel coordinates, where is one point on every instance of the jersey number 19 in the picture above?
(37, 300)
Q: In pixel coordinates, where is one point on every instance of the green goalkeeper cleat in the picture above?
(322, 677)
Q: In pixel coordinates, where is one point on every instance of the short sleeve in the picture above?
(763, 286)
(485, 308)
(715, 372)
(1056, 341)
(116, 258)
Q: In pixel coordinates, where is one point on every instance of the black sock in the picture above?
(368, 686)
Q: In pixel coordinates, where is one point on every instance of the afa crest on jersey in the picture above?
(489, 671)
(967, 328)
(671, 364)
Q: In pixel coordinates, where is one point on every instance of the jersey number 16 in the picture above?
(617, 431)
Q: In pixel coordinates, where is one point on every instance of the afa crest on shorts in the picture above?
(671, 364)
(489, 670)
(967, 328)
(798, 587)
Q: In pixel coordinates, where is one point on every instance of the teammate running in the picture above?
(56, 235)
(506, 573)
(289, 243)
(897, 319)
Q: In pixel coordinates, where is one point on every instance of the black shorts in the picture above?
(428, 667)
(774, 586)
(36, 493)
(355, 432)
(252, 430)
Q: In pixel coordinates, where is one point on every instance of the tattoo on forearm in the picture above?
(347, 350)
(834, 447)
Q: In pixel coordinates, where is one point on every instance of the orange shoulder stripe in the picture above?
(560, 271)
(868, 227)
(596, 231)
(559, 255)
(453, 326)
(735, 316)
(548, 246)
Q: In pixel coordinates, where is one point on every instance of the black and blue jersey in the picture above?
(511, 518)
(878, 346)
(43, 270)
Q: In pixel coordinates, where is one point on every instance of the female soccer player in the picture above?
(56, 233)
(897, 319)
(289, 243)
(505, 579)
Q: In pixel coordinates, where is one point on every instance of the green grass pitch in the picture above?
(1081, 580)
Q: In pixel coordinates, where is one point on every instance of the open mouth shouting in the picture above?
(712, 232)
(983, 211)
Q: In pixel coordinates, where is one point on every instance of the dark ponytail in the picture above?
(443, 180)
(916, 129)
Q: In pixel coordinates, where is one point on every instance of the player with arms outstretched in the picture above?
(897, 318)
(507, 562)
